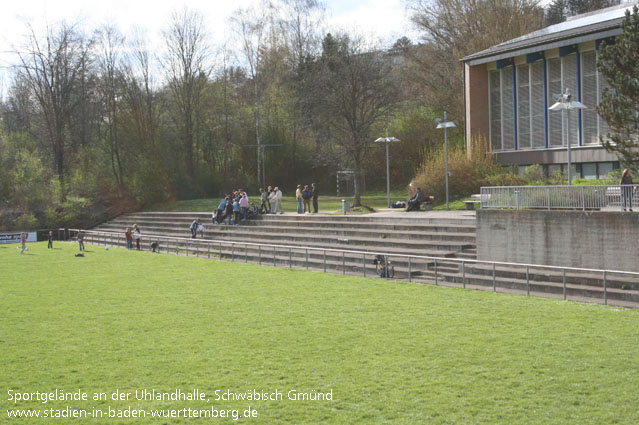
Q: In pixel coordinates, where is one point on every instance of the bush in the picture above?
(467, 172)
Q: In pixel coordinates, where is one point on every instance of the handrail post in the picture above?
(245, 253)
(208, 249)
(343, 262)
(409, 270)
(548, 197)
(436, 283)
(527, 282)
(583, 198)
(564, 283)
(494, 279)
(463, 275)
(290, 258)
(232, 251)
(259, 250)
(364, 264)
(273, 256)
(605, 288)
(324, 261)
(306, 258)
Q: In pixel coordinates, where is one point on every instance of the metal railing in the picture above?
(566, 283)
(604, 197)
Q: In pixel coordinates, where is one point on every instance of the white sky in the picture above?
(384, 19)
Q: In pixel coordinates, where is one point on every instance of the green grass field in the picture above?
(391, 352)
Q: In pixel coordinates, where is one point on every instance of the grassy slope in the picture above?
(392, 352)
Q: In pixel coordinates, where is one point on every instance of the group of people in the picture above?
(304, 196)
(235, 207)
(133, 234)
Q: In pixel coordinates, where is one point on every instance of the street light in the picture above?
(387, 140)
(443, 123)
(564, 104)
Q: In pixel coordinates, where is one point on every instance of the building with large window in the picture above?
(509, 88)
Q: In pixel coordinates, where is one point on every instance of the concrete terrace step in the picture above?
(379, 227)
(212, 231)
(412, 246)
(364, 218)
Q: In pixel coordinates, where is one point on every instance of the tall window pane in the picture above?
(523, 107)
(507, 109)
(589, 98)
(554, 117)
(569, 76)
(495, 110)
(537, 107)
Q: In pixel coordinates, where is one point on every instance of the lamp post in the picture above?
(387, 140)
(565, 104)
(443, 123)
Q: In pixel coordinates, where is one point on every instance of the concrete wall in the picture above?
(601, 240)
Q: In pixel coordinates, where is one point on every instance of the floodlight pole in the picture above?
(387, 140)
(565, 104)
(567, 113)
(446, 157)
(388, 202)
(445, 124)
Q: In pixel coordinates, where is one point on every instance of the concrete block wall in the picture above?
(600, 240)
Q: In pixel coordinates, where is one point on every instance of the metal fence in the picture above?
(610, 197)
(567, 283)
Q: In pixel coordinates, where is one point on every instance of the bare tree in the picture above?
(453, 29)
(53, 67)
(250, 26)
(187, 71)
(141, 92)
(109, 46)
(349, 90)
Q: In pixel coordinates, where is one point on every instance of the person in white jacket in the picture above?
(278, 201)
(271, 200)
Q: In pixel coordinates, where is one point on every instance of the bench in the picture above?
(476, 199)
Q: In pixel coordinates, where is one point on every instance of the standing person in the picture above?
(314, 195)
(244, 205)
(50, 237)
(137, 236)
(626, 188)
(220, 210)
(200, 228)
(236, 211)
(264, 201)
(23, 242)
(193, 229)
(272, 195)
(269, 190)
(306, 195)
(229, 210)
(278, 201)
(81, 240)
(298, 198)
(129, 238)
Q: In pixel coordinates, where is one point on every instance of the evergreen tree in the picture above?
(618, 63)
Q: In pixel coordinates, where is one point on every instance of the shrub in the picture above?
(467, 172)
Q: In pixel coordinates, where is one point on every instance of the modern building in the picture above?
(509, 88)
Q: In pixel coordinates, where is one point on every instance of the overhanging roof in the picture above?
(578, 29)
